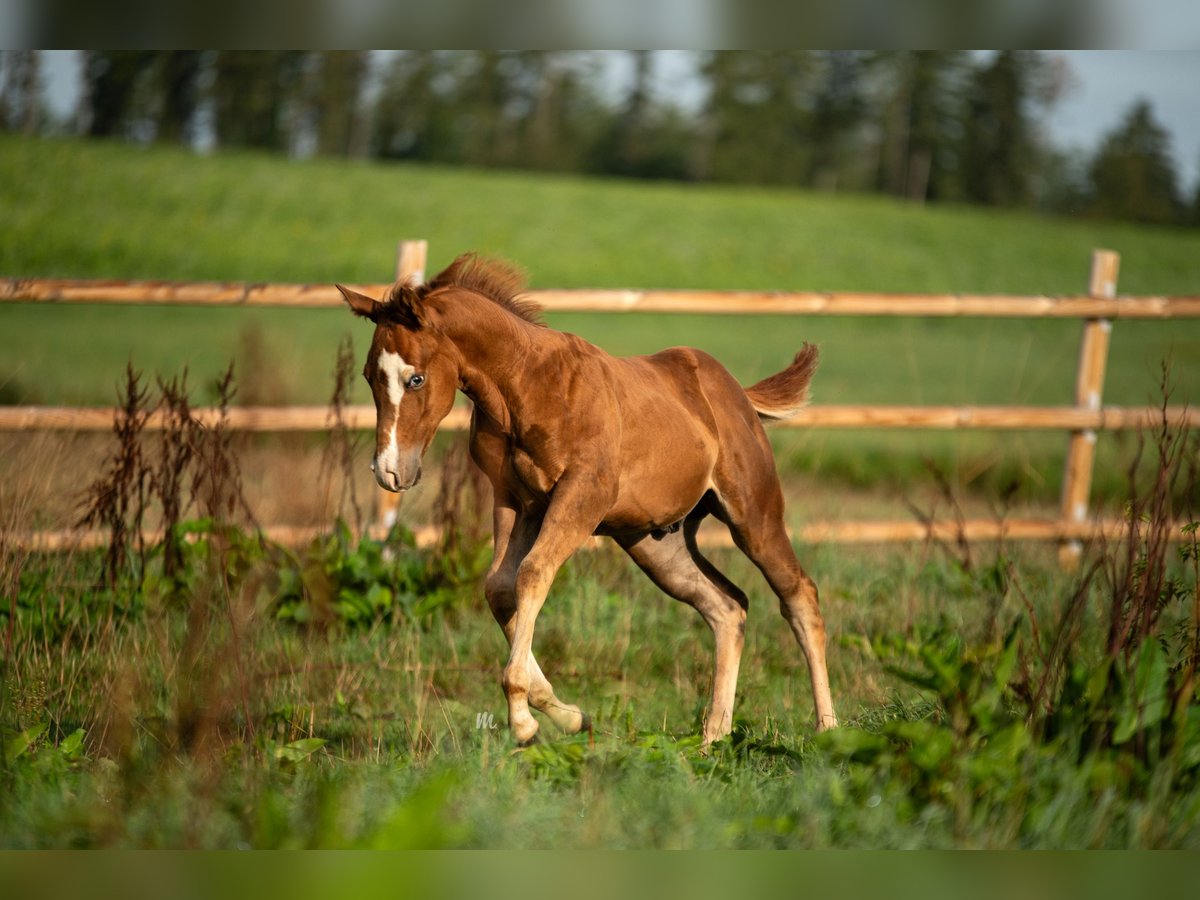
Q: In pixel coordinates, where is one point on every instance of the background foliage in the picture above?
(923, 125)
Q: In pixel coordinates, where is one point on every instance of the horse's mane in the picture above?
(497, 280)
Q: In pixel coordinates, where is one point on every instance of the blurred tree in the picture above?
(563, 114)
(627, 150)
(642, 138)
(920, 121)
(1063, 182)
(113, 96)
(528, 109)
(255, 95)
(1133, 175)
(21, 105)
(756, 119)
(839, 108)
(413, 115)
(484, 120)
(1000, 142)
(1194, 212)
(179, 86)
(525, 80)
(337, 83)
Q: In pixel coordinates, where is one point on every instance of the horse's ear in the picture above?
(403, 306)
(361, 304)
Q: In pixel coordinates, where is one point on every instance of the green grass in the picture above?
(274, 735)
(81, 209)
(92, 210)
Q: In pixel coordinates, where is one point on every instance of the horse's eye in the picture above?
(415, 382)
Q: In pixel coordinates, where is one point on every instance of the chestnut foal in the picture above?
(576, 442)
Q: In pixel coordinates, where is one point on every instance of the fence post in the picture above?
(1089, 389)
(410, 266)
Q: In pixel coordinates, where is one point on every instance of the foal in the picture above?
(576, 442)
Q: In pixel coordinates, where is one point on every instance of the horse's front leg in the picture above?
(576, 508)
(514, 536)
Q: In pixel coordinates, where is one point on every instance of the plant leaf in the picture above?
(70, 746)
(299, 750)
(23, 741)
(1146, 702)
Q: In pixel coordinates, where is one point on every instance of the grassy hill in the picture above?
(72, 208)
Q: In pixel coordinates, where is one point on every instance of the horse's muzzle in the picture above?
(397, 472)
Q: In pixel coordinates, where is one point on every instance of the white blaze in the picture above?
(397, 373)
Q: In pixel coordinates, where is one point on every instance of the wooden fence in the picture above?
(1098, 308)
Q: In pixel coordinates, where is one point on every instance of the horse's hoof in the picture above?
(528, 742)
(530, 731)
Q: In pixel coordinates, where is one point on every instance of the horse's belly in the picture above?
(658, 496)
(636, 518)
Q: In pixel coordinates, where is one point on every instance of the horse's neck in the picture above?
(497, 350)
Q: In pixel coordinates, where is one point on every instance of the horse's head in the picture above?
(413, 372)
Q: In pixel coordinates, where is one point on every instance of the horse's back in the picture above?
(727, 412)
(706, 383)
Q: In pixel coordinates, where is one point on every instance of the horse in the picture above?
(576, 443)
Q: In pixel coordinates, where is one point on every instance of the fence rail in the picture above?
(1098, 308)
(827, 303)
(859, 532)
(362, 418)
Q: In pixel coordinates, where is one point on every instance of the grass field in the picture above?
(334, 697)
(228, 717)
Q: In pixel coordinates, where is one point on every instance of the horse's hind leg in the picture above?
(676, 566)
(513, 540)
(757, 528)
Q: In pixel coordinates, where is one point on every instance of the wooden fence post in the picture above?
(1089, 390)
(410, 266)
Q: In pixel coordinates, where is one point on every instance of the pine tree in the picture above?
(628, 148)
(179, 86)
(413, 117)
(1194, 211)
(338, 80)
(839, 107)
(920, 120)
(1133, 175)
(484, 91)
(564, 116)
(254, 94)
(1000, 144)
(757, 116)
(21, 104)
(110, 97)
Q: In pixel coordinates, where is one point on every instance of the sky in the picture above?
(1104, 85)
(1108, 81)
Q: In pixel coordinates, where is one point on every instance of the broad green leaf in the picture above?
(379, 597)
(299, 750)
(930, 746)
(1146, 701)
(71, 744)
(1190, 757)
(23, 741)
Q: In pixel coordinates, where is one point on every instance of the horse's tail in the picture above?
(782, 395)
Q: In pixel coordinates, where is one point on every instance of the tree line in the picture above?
(923, 125)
